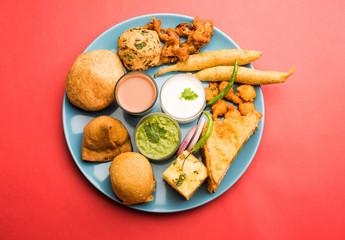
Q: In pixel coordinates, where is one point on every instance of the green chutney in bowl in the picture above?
(157, 136)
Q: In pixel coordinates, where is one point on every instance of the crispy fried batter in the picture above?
(246, 92)
(246, 107)
(219, 108)
(230, 95)
(199, 33)
(172, 51)
(184, 29)
(232, 113)
(211, 91)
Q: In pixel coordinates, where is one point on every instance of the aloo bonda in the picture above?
(132, 178)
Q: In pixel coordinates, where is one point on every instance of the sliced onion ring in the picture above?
(186, 140)
(197, 133)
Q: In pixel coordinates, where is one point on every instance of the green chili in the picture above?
(206, 135)
(180, 179)
(227, 88)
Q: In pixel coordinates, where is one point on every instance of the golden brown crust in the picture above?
(226, 140)
(246, 108)
(104, 138)
(198, 34)
(231, 96)
(132, 178)
(232, 113)
(246, 92)
(219, 108)
(211, 91)
(244, 75)
(91, 80)
(136, 56)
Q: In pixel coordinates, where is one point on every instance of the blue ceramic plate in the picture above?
(166, 199)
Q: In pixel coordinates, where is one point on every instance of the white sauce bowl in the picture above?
(180, 109)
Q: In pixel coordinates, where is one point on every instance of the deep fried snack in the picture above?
(139, 48)
(244, 75)
(232, 113)
(172, 51)
(225, 142)
(223, 57)
(246, 92)
(246, 107)
(104, 138)
(231, 96)
(199, 33)
(90, 82)
(211, 91)
(219, 108)
(184, 29)
(132, 178)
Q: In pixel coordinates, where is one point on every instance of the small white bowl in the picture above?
(172, 103)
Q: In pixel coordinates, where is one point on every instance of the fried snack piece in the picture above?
(199, 33)
(232, 113)
(223, 57)
(225, 142)
(230, 95)
(172, 51)
(219, 108)
(139, 48)
(104, 138)
(132, 178)
(246, 92)
(90, 82)
(244, 75)
(211, 91)
(246, 107)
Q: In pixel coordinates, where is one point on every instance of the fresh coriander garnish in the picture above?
(154, 132)
(188, 94)
(140, 45)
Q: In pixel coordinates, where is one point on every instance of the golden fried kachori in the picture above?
(132, 178)
(91, 80)
(104, 138)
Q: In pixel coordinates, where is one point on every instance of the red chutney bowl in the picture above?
(136, 92)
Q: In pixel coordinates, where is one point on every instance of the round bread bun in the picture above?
(91, 80)
(104, 138)
(132, 178)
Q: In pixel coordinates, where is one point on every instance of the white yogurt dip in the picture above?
(172, 102)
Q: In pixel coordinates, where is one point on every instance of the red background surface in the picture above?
(294, 188)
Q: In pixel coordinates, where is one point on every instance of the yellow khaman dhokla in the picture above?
(194, 174)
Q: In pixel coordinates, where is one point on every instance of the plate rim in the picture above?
(137, 207)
